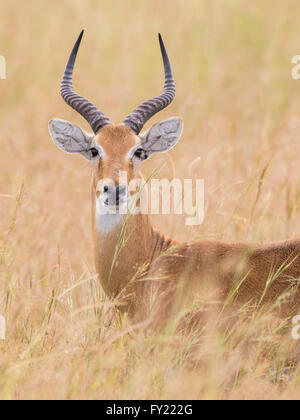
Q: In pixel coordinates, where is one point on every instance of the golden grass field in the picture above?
(241, 108)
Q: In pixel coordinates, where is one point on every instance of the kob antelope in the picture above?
(153, 273)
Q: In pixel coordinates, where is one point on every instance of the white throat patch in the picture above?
(105, 221)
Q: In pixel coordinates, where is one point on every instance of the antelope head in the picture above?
(115, 149)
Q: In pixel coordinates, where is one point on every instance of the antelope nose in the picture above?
(120, 192)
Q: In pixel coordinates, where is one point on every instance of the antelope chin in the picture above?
(108, 218)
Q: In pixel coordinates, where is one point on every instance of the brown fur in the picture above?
(116, 142)
(154, 274)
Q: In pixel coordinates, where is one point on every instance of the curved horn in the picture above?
(93, 115)
(141, 115)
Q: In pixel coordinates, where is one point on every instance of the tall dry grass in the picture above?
(241, 109)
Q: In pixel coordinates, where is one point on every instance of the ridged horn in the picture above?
(137, 119)
(90, 112)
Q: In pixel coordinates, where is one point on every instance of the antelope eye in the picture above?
(140, 154)
(94, 152)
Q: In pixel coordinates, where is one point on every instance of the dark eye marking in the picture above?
(94, 152)
(140, 154)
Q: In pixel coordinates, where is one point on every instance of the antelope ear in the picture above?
(162, 136)
(70, 138)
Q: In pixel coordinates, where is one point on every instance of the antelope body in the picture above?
(148, 273)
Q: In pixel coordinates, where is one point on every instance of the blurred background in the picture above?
(241, 109)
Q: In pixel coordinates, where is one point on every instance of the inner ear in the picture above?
(162, 136)
(70, 138)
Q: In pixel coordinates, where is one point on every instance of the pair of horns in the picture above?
(96, 118)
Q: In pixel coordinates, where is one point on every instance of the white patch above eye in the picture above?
(131, 152)
(101, 154)
(98, 147)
